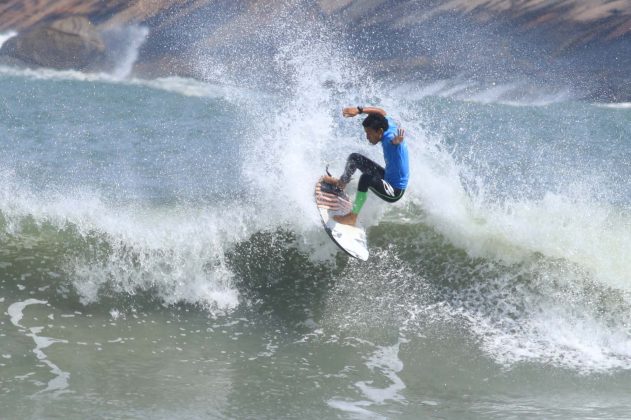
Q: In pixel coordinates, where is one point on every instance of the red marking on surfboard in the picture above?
(331, 201)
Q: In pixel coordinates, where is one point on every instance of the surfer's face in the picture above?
(373, 136)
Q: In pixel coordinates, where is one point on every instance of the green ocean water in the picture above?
(161, 255)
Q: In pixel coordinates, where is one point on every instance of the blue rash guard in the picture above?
(396, 157)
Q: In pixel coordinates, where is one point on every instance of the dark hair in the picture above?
(376, 121)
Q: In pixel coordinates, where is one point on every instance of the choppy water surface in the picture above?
(161, 256)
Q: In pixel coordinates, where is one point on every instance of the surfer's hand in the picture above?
(350, 111)
(398, 139)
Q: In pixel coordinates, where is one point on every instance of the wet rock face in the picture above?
(69, 43)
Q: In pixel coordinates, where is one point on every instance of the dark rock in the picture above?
(69, 43)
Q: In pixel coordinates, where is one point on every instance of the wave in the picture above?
(178, 85)
(506, 271)
(177, 253)
(123, 45)
(620, 105)
(452, 252)
(524, 301)
(516, 93)
(5, 36)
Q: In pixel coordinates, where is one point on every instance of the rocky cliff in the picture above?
(585, 42)
(66, 43)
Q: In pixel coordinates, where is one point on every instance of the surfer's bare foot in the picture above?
(333, 181)
(347, 219)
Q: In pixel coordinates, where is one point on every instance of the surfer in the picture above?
(390, 183)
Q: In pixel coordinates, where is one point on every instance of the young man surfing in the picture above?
(390, 183)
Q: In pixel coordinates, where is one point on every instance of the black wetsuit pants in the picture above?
(371, 178)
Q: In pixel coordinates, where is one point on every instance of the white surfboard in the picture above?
(332, 201)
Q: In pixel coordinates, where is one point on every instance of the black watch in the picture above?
(360, 109)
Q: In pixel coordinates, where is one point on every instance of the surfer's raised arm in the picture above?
(353, 111)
